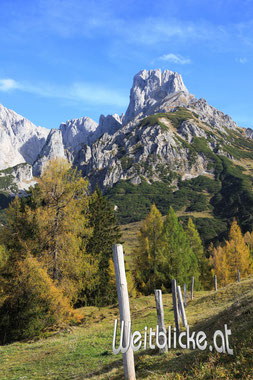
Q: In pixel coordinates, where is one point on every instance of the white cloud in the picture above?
(242, 60)
(102, 18)
(97, 95)
(175, 58)
(8, 84)
(79, 92)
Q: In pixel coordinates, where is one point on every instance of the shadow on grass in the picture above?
(146, 363)
(149, 363)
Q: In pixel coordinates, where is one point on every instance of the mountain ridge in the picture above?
(169, 144)
(152, 92)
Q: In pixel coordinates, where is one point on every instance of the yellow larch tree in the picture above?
(234, 255)
(248, 238)
(219, 262)
(52, 225)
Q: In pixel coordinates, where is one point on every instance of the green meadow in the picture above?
(85, 351)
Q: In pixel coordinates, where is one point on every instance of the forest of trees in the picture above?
(166, 250)
(56, 254)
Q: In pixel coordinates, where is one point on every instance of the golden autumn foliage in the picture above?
(61, 222)
(32, 303)
(43, 261)
(248, 238)
(54, 231)
(219, 263)
(55, 252)
(233, 255)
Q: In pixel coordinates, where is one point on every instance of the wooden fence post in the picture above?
(175, 306)
(215, 282)
(192, 287)
(160, 317)
(238, 275)
(185, 296)
(181, 305)
(179, 311)
(124, 309)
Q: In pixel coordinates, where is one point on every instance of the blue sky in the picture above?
(66, 59)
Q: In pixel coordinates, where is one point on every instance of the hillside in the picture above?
(211, 200)
(85, 352)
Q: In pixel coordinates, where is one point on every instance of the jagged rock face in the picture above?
(15, 178)
(189, 130)
(249, 133)
(211, 115)
(53, 148)
(77, 132)
(151, 87)
(108, 124)
(141, 151)
(124, 147)
(20, 140)
(23, 176)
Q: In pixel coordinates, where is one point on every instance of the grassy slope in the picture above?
(85, 352)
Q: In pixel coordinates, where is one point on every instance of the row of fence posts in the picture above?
(124, 308)
(215, 280)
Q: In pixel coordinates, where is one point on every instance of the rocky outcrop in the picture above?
(189, 129)
(23, 176)
(108, 124)
(249, 133)
(53, 148)
(77, 132)
(211, 115)
(20, 140)
(150, 89)
(142, 151)
(16, 178)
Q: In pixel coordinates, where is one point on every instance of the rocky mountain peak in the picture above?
(20, 139)
(77, 132)
(150, 87)
(162, 120)
(53, 148)
(109, 124)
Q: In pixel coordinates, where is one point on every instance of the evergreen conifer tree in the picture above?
(106, 232)
(180, 261)
(197, 247)
(149, 261)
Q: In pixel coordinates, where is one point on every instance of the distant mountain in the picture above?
(153, 92)
(162, 119)
(168, 148)
(20, 140)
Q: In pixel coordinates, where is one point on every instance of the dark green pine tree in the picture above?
(180, 261)
(197, 247)
(106, 232)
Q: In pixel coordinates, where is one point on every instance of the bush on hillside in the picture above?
(31, 303)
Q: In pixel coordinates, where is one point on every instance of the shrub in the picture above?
(32, 304)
